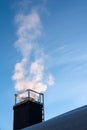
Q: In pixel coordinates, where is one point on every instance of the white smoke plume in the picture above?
(29, 72)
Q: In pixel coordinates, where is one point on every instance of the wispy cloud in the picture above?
(70, 61)
(50, 79)
(68, 55)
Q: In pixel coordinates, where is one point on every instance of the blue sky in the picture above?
(59, 49)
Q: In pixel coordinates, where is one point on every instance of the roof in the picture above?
(73, 120)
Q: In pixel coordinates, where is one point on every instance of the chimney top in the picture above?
(30, 95)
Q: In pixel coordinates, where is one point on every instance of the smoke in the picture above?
(29, 72)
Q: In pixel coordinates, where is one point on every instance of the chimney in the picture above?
(28, 109)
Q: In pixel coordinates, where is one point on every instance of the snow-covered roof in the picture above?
(73, 120)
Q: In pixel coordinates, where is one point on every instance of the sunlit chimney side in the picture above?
(28, 109)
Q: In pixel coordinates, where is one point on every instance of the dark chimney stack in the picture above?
(28, 109)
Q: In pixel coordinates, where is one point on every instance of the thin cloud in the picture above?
(50, 80)
(70, 57)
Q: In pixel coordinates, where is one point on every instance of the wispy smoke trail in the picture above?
(29, 72)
